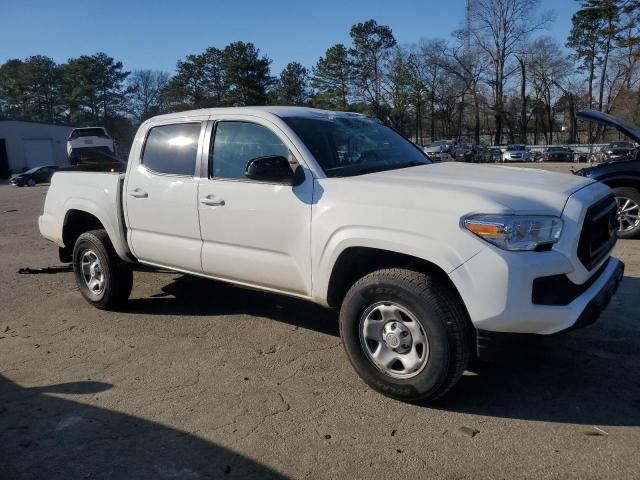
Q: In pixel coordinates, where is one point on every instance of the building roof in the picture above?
(8, 120)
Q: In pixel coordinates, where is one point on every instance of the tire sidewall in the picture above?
(90, 242)
(377, 290)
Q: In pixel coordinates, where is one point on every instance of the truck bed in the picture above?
(95, 193)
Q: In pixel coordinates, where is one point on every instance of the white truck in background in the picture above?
(419, 258)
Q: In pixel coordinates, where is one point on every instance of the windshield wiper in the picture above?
(412, 163)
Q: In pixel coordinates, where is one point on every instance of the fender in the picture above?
(398, 241)
(114, 227)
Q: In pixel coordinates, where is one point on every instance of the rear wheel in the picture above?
(103, 278)
(406, 335)
(628, 200)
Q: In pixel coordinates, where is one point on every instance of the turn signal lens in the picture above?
(482, 229)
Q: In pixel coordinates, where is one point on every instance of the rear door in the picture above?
(253, 232)
(161, 196)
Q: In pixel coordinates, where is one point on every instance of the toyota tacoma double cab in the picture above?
(419, 258)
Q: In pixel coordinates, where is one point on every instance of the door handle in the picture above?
(137, 193)
(212, 201)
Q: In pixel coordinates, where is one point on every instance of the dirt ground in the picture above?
(199, 380)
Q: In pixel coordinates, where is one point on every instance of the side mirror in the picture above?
(273, 169)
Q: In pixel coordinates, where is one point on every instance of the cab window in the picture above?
(172, 149)
(236, 143)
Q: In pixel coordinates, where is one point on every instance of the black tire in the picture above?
(31, 182)
(118, 276)
(440, 314)
(634, 195)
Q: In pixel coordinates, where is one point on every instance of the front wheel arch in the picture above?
(353, 263)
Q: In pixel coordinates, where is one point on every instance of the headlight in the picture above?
(515, 232)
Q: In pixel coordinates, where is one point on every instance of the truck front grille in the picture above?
(598, 232)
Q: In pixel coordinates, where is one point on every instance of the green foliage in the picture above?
(330, 80)
(371, 44)
(585, 36)
(199, 81)
(31, 90)
(94, 88)
(292, 86)
(246, 74)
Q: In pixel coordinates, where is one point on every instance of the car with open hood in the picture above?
(623, 176)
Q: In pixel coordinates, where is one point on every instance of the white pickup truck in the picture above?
(421, 259)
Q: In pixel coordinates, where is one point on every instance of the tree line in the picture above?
(498, 79)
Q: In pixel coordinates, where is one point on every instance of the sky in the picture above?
(155, 34)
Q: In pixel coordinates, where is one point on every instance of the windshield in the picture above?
(515, 147)
(33, 170)
(353, 145)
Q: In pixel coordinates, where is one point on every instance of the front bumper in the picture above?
(497, 288)
(601, 300)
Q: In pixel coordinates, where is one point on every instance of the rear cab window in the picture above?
(88, 132)
(172, 149)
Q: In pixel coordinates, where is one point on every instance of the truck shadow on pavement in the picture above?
(588, 376)
(51, 437)
(190, 295)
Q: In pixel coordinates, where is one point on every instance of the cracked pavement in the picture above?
(197, 379)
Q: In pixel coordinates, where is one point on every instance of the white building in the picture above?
(24, 145)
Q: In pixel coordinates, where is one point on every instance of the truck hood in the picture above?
(474, 188)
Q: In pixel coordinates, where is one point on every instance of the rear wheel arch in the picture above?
(622, 182)
(76, 222)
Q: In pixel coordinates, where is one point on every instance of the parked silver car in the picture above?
(516, 153)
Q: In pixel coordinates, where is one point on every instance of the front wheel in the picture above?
(628, 200)
(406, 335)
(104, 280)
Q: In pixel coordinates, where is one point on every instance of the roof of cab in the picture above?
(266, 111)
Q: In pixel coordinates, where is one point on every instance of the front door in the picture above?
(253, 232)
(161, 197)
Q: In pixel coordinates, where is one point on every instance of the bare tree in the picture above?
(499, 27)
(427, 61)
(550, 67)
(465, 62)
(147, 93)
